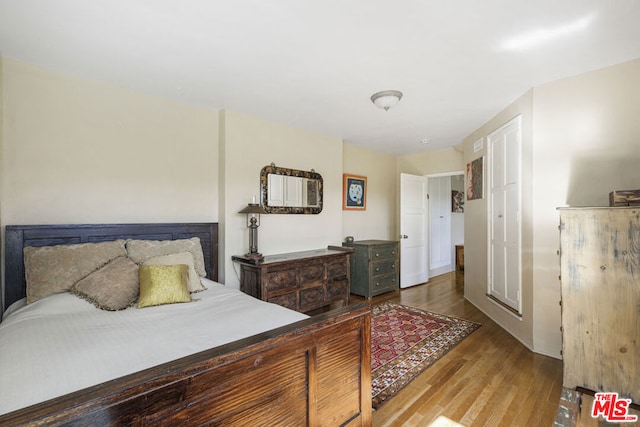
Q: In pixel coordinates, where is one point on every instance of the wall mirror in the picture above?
(290, 191)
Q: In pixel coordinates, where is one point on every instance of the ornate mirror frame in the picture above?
(264, 190)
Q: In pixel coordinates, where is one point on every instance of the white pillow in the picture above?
(193, 279)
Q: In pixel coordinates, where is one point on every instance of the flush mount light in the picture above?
(386, 99)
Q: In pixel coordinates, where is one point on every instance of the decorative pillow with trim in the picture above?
(54, 269)
(163, 284)
(141, 250)
(113, 287)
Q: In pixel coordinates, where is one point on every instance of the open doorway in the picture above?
(446, 220)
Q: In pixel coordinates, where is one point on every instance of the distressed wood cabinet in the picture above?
(302, 281)
(374, 267)
(600, 275)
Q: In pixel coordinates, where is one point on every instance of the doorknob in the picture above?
(404, 236)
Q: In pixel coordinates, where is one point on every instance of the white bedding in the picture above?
(62, 343)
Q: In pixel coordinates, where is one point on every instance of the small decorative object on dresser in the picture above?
(302, 281)
(374, 267)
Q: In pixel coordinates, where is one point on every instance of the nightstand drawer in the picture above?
(384, 252)
(383, 267)
(385, 284)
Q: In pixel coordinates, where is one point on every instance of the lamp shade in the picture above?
(253, 208)
(386, 99)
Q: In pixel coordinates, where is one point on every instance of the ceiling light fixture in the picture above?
(386, 99)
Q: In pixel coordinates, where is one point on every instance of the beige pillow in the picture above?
(141, 250)
(113, 287)
(193, 280)
(54, 269)
(163, 284)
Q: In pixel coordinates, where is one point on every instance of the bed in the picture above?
(314, 371)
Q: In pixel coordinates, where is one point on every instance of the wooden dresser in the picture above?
(302, 281)
(600, 276)
(374, 267)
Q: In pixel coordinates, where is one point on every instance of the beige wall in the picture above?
(586, 144)
(379, 220)
(249, 143)
(432, 162)
(580, 141)
(475, 224)
(80, 151)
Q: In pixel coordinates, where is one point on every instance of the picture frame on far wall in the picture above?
(354, 192)
(475, 179)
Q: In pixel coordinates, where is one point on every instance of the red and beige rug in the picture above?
(405, 341)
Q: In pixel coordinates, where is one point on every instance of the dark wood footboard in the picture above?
(313, 372)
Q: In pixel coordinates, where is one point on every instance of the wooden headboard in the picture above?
(19, 236)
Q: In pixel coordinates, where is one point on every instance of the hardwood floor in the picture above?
(490, 379)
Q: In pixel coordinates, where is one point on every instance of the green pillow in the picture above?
(163, 284)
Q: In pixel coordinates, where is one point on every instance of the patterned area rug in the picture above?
(405, 341)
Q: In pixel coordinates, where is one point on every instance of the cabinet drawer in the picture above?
(384, 284)
(311, 273)
(383, 267)
(312, 298)
(280, 279)
(337, 270)
(384, 252)
(337, 289)
(286, 300)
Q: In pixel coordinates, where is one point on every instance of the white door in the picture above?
(440, 223)
(504, 214)
(414, 268)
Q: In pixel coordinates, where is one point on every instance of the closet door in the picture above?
(504, 282)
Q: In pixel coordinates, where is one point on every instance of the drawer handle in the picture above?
(377, 269)
(377, 283)
(393, 252)
(377, 254)
(393, 280)
(393, 266)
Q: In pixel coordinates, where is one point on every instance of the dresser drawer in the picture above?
(312, 298)
(383, 284)
(311, 273)
(381, 268)
(280, 280)
(286, 300)
(384, 252)
(337, 270)
(337, 289)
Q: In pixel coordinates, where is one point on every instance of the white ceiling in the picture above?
(314, 64)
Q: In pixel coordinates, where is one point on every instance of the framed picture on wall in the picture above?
(354, 192)
(457, 201)
(475, 179)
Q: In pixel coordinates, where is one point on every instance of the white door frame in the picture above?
(441, 175)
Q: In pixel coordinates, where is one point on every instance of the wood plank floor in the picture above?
(490, 379)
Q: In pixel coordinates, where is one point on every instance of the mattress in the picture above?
(62, 343)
